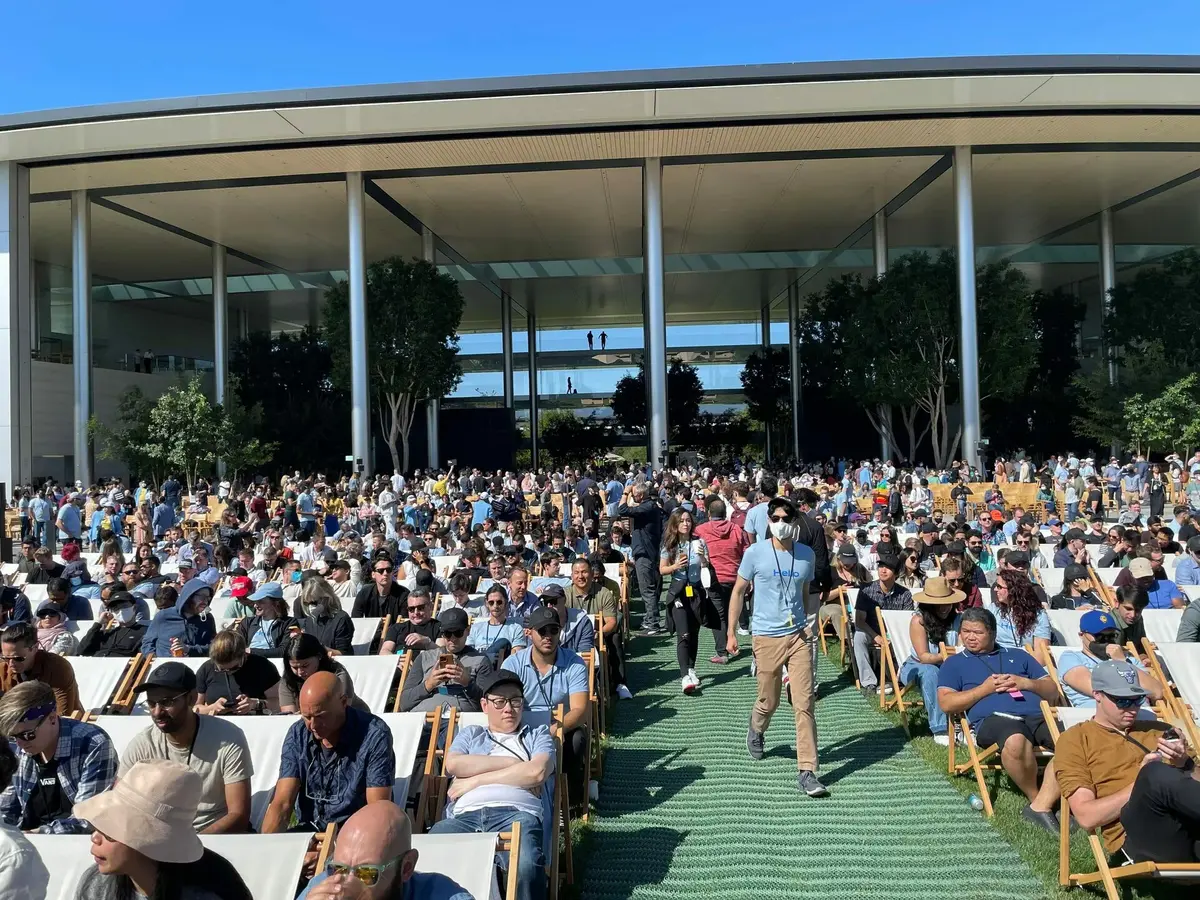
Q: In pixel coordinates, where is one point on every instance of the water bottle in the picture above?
(975, 803)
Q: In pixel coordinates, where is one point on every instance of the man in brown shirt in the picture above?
(587, 592)
(23, 661)
(1132, 778)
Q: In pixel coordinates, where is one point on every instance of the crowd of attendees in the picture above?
(240, 575)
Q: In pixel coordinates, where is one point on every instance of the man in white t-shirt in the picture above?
(211, 746)
(398, 483)
(387, 508)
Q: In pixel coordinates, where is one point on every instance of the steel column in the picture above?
(531, 330)
(968, 350)
(794, 363)
(765, 329)
(506, 340)
(360, 404)
(1108, 281)
(220, 297)
(656, 316)
(18, 329)
(81, 312)
(880, 252)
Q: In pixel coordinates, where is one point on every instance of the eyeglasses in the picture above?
(130, 571)
(453, 634)
(501, 702)
(1022, 543)
(368, 873)
(165, 702)
(549, 631)
(1125, 702)
(29, 735)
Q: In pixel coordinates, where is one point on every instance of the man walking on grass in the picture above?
(780, 568)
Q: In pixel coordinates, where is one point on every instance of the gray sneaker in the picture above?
(756, 742)
(808, 782)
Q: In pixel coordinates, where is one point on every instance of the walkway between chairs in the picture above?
(685, 814)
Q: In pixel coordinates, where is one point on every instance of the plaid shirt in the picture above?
(87, 765)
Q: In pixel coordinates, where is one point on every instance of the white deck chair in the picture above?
(469, 859)
(35, 594)
(1183, 665)
(97, 606)
(1191, 591)
(407, 731)
(1052, 580)
(1108, 576)
(248, 852)
(365, 631)
(445, 564)
(372, 677)
(1162, 625)
(66, 857)
(1047, 553)
(1064, 627)
(896, 632)
(169, 568)
(97, 678)
(985, 594)
(1095, 551)
(92, 559)
(8, 570)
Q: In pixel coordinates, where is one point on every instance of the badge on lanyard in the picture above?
(688, 592)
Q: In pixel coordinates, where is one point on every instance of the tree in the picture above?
(185, 431)
(767, 386)
(289, 377)
(240, 447)
(894, 342)
(1158, 310)
(573, 440)
(726, 434)
(1169, 421)
(684, 394)
(126, 441)
(413, 314)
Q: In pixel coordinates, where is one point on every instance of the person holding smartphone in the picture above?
(1132, 777)
(447, 674)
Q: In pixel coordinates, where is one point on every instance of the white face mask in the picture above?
(125, 614)
(783, 531)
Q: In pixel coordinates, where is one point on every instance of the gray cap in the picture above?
(1116, 678)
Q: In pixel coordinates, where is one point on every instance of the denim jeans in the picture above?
(1072, 512)
(649, 583)
(927, 675)
(531, 867)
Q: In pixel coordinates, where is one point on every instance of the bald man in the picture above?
(374, 860)
(335, 761)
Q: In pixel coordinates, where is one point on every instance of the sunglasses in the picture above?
(500, 602)
(784, 518)
(453, 634)
(549, 631)
(16, 659)
(418, 607)
(1125, 702)
(29, 735)
(367, 873)
(387, 571)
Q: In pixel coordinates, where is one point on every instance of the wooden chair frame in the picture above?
(889, 667)
(123, 697)
(840, 594)
(405, 663)
(1105, 874)
(1177, 707)
(324, 845)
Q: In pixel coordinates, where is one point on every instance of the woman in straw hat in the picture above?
(144, 844)
(934, 623)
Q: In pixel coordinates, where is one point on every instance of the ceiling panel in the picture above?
(575, 214)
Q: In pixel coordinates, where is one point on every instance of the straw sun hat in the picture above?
(937, 592)
(151, 810)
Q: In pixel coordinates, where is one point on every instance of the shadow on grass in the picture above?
(612, 865)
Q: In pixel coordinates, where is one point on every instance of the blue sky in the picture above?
(59, 54)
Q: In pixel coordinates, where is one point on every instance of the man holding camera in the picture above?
(1134, 779)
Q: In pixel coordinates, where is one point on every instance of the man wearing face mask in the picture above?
(1099, 640)
(117, 633)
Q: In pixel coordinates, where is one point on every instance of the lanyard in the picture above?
(541, 682)
(785, 586)
(520, 735)
(983, 659)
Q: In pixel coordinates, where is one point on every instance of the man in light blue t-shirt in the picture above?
(780, 568)
(756, 519)
(1099, 640)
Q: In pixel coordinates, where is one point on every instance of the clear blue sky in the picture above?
(59, 53)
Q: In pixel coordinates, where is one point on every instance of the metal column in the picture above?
(794, 362)
(506, 339)
(880, 252)
(765, 328)
(1108, 281)
(360, 404)
(433, 405)
(81, 312)
(220, 297)
(964, 214)
(18, 329)
(531, 328)
(656, 316)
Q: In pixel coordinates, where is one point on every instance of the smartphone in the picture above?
(231, 704)
(1171, 734)
(446, 659)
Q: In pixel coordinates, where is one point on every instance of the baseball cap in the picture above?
(240, 585)
(1075, 535)
(540, 617)
(553, 592)
(453, 619)
(271, 590)
(171, 675)
(889, 562)
(997, 516)
(958, 548)
(1073, 572)
(1097, 621)
(1052, 521)
(499, 679)
(928, 528)
(1018, 558)
(848, 554)
(49, 606)
(1116, 678)
(1141, 568)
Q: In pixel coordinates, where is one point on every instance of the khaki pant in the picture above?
(771, 654)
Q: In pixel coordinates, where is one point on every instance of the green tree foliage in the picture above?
(184, 431)
(893, 342)
(289, 378)
(726, 434)
(241, 449)
(568, 439)
(684, 395)
(767, 386)
(1158, 311)
(126, 440)
(1169, 421)
(1037, 415)
(413, 314)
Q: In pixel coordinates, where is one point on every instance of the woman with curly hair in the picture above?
(1021, 622)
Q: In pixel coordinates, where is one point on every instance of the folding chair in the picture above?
(1064, 627)
(1162, 625)
(845, 598)
(366, 630)
(1058, 720)
(469, 859)
(66, 858)
(1177, 666)
(406, 659)
(102, 681)
(247, 853)
(897, 647)
(373, 677)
